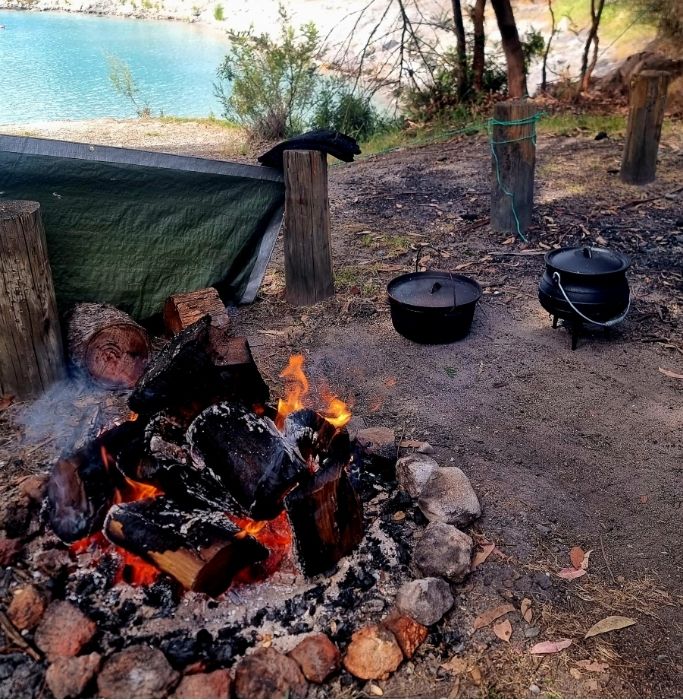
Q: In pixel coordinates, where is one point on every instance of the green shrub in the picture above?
(338, 107)
(123, 82)
(218, 14)
(272, 81)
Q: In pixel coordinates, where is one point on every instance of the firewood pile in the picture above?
(211, 543)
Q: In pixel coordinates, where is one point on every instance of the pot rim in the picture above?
(625, 261)
(435, 275)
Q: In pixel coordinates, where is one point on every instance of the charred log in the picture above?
(82, 485)
(248, 456)
(326, 518)
(201, 550)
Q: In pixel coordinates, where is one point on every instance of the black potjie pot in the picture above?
(586, 285)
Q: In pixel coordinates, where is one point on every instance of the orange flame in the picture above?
(335, 412)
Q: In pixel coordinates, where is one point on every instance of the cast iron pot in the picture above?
(432, 307)
(586, 284)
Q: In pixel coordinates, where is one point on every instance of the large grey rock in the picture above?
(449, 498)
(413, 472)
(444, 551)
(426, 600)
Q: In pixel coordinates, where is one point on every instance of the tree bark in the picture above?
(31, 352)
(461, 48)
(107, 345)
(512, 47)
(479, 48)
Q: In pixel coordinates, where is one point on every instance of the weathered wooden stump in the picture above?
(646, 115)
(31, 352)
(309, 276)
(514, 163)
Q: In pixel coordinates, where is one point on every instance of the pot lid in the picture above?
(587, 260)
(434, 290)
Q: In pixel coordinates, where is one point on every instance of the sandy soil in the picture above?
(565, 448)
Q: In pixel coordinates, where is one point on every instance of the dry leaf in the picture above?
(571, 573)
(550, 647)
(482, 554)
(586, 557)
(669, 373)
(475, 675)
(488, 616)
(576, 555)
(609, 624)
(575, 673)
(503, 630)
(462, 266)
(526, 611)
(376, 690)
(594, 666)
(455, 666)
(643, 499)
(509, 241)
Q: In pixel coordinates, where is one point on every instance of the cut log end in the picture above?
(182, 310)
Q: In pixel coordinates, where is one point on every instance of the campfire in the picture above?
(209, 487)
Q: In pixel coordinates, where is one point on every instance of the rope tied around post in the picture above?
(522, 171)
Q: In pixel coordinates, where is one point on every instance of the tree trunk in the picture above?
(592, 39)
(512, 46)
(478, 51)
(31, 352)
(546, 53)
(107, 345)
(461, 48)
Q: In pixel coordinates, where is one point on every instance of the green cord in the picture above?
(526, 121)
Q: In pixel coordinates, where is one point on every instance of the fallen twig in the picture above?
(636, 202)
(13, 633)
(523, 253)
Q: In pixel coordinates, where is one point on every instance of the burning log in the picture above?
(107, 345)
(324, 511)
(82, 485)
(191, 373)
(248, 456)
(182, 310)
(202, 550)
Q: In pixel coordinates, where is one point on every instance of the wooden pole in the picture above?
(31, 352)
(646, 115)
(514, 161)
(309, 276)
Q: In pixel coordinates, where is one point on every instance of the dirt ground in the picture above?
(564, 448)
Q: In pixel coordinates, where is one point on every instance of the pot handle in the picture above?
(419, 254)
(605, 324)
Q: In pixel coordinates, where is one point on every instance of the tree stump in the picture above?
(514, 162)
(646, 115)
(107, 345)
(309, 276)
(31, 352)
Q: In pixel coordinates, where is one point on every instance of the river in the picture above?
(55, 66)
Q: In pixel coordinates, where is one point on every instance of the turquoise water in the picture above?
(54, 66)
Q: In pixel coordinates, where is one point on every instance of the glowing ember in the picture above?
(335, 412)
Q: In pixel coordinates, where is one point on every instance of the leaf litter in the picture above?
(609, 624)
(488, 616)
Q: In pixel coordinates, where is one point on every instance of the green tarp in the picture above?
(130, 228)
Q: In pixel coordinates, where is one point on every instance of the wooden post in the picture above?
(309, 276)
(646, 115)
(31, 352)
(514, 161)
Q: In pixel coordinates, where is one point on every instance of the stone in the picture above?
(426, 600)
(15, 516)
(34, 487)
(64, 630)
(444, 551)
(204, 685)
(68, 676)
(20, 677)
(449, 498)
(26, 607)
(413, 472)
(52, 562)
(379, 445)
(136, 672)
(373, 653)
(9, 550)
(268, 674)
(409, 633)
(317, 656)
